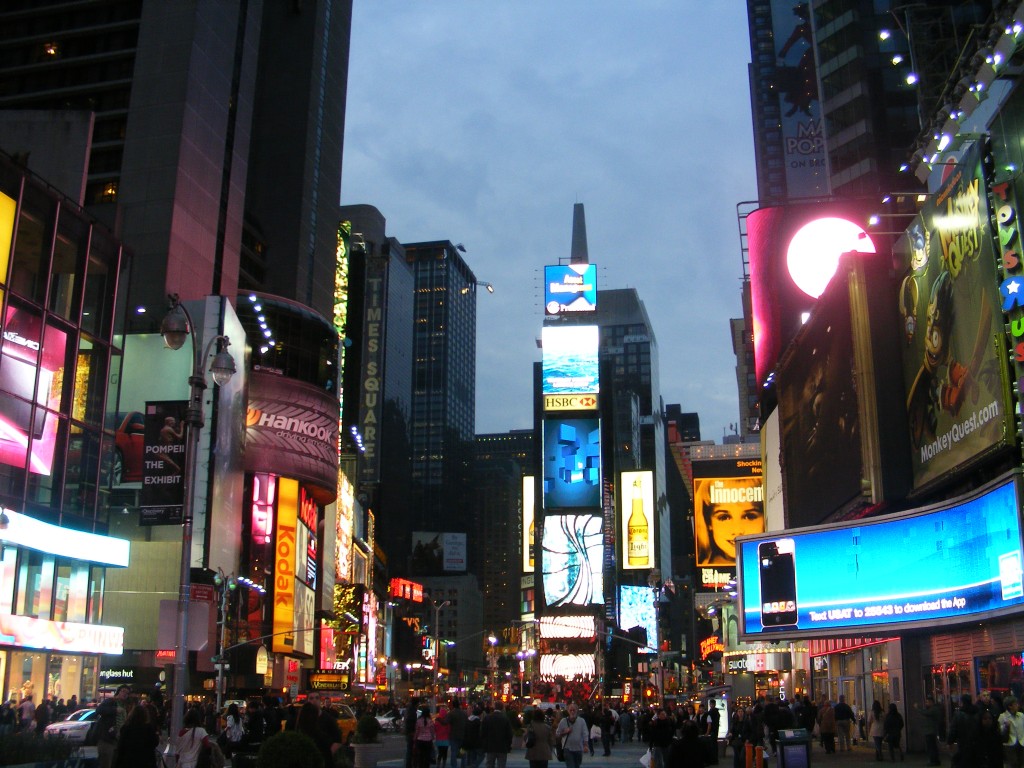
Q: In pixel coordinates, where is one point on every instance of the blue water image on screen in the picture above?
(636, 609)
(572, 463)
(948, 564)
(569, 365)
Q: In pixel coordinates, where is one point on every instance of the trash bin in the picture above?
(794, 748)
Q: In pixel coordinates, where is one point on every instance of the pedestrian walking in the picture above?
(827, 726)
(496, 737)
(1011, 727)
(574, 736)
(540, 740)
(138, 740)
(876, 727)
(424, 736)
(931, 726)
(894, 732)
(844, 724)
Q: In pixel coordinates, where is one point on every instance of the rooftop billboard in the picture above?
(570, 288)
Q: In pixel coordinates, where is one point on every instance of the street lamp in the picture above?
(437, 642)
(176, 327)
(523, 656)
(492, 661)
(226, 585)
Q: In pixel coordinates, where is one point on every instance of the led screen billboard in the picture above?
(572, 463)
(569, 365)
(636, 609)
(572, 554)
(570, 288)
(724, 508)
(636, 520)
(529, 524)
(953, 370)
(949, 564)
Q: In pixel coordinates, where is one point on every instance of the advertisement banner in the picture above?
(725, 508)
(31, 377)
(796, 83)
(436, 554)
(637, 610)
(292, 430)
(569, 361)
(955, 563)
(284, 566)
(371, 388)
(952, 366)
(570, 288)
(571, 560)
(572, 463)
(636, 520)
(529, 524)
(163, 464)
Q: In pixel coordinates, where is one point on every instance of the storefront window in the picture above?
(64, 676)
(68, 251)
(35, 585)
(1003, 675)
(28, 675)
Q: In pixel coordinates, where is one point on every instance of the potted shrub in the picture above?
(365, 743)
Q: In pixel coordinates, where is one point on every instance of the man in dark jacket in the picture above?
(496, 737)
(412, 711)
(844, 724)
(660, 734)
(456, 719)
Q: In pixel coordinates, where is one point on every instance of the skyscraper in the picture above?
(443, 389)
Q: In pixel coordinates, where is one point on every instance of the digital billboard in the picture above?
(570, 288)
(569, 365)
(572, 554)
(636, 520)
(636, 609)
(953, 370)
(529, 523)
(31, 374)
(572, 463)
(952, 563)
(568, 665)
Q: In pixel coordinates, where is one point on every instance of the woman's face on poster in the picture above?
(729, 520)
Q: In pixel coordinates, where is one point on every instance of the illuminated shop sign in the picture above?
(569, 365)
(63, 636)
(28, 532)
(570, 402)
(711, 645)
(264, 489)
(284, 566)
(571, 561)
(570, 288)
(405, 589)
(636, 520)
(948, 564)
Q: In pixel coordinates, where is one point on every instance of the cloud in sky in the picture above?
(483, 122)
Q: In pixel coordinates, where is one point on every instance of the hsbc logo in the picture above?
(586, 402)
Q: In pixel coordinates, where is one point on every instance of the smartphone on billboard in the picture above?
(777, 568)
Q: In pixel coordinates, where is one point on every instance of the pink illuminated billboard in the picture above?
(31, 374)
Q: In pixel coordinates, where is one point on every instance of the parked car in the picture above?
(75, 727)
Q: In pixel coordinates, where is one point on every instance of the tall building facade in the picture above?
(443, 389)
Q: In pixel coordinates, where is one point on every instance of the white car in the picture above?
(74, 727)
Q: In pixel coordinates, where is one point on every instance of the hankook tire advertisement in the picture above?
(291, 429)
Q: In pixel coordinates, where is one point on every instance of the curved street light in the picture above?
(176, 326)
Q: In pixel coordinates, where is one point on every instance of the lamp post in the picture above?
(492, 661)
(176, 327)
(437, 642)
(226, 584)
(523, 656)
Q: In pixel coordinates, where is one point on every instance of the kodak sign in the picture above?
(284, 566)
(570, 402)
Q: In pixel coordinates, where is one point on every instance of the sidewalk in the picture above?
(628, 756)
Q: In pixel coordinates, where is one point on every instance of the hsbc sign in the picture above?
(586, 402)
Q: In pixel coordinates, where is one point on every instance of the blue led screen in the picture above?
(572, 463)
(570, 288)
(947, 564)
(636, 609)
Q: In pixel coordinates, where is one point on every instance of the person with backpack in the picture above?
(539, 739)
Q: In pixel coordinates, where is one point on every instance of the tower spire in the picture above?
(579, 253)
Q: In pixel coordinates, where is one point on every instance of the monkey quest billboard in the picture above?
(953, 365)
(953, 563)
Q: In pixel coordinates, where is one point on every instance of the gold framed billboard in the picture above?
(636, 520)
